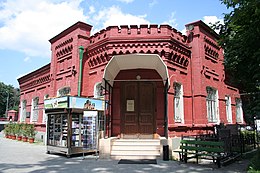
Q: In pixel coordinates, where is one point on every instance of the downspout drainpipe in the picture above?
(192, 95)
(166, 109)
(81, 49)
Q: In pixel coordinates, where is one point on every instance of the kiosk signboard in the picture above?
(74, 102)
(86, 103)
(59, 102)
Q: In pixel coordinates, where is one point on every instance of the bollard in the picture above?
(166, 152)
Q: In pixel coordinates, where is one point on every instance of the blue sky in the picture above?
(27, 25)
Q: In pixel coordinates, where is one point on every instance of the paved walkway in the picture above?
(17, 157)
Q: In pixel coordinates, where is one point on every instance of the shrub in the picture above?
(31, 130)
(11, 128)
(7, 129)
(18, 129)
(24, 130)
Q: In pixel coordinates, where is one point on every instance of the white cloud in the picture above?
(209, 20)
(183, 31)
(126, 1)
(27, 59)
(171, 21)
(92, 10)
(113, 16)
(26, 26)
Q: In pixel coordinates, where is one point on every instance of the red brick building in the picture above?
(158, 81)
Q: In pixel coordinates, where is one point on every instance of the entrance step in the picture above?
(135, 149)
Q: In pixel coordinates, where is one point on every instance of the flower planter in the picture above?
(19, 138)
(31, 140)
(25, 139)
(13, 137)
(7, 136)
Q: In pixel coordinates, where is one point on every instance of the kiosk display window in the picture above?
(90, 130)
(58, 130)
(77, 130)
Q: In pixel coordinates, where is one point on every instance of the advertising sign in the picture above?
(86, 103)
(74, 102)
(60, 102)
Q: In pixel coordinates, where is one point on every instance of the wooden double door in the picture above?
(138, 109)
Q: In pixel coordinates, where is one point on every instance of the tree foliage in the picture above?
(240, 38)
(10, 94)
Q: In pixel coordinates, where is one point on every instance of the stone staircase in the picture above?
(135, 149)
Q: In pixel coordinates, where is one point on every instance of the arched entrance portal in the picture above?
(137, 82)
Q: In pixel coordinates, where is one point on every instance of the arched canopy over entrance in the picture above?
(135, 61)
(135, 109)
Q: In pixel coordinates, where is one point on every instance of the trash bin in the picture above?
(166, 152)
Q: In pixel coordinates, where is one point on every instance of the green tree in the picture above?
(11, 95)
(240, 38)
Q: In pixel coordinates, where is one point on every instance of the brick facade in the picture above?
(194, 61)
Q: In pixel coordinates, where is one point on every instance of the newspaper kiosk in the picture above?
(73, 124)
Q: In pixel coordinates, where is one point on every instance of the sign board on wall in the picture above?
(130, 105)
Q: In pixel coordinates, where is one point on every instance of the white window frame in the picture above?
(23, 111)
(212, 104)
(44, 115)
(34, 110)
(98, 90)
(178, 103)
(228, 109)
(239, 111)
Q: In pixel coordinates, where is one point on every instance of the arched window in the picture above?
(98, 90)
(239, 111)
(35, 109)
(212, 104)
(23, 111)
(228, 109)
(63, 91)
(178, 103)
(44, 118)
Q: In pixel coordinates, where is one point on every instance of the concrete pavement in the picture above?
(18, 157)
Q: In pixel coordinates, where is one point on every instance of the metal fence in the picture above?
(236, 141)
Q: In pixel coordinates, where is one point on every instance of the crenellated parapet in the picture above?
(142, 31)
(153, 39)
